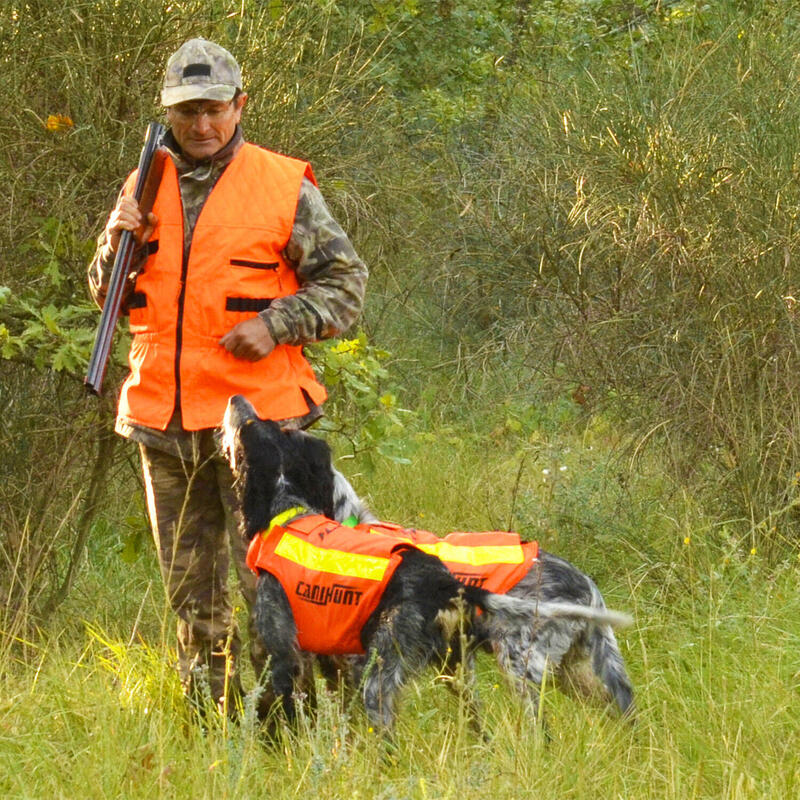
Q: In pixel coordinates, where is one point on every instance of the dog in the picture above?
(581, 653)
(420, 614)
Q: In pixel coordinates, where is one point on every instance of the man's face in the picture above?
(203, 127)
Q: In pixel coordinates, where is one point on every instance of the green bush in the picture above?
(632, 230)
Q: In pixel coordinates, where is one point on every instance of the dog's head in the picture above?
(274, 470)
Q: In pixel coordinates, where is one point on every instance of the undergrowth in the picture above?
(92, 705)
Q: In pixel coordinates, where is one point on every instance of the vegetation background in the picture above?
(580, 218)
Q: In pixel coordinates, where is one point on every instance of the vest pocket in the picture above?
(137, 300)
(246, 262)
(240, 309)
(136, 308)
(254, 276)
(252, 281)
(248, 304)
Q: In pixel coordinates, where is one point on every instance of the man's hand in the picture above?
(249, 340)
(127, 217)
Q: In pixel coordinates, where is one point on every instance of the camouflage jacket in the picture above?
(331, 275)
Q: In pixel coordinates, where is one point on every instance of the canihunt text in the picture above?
(322, 595)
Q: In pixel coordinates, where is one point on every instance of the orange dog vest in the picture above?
(333, 576)
(235, 268)
(492, 560)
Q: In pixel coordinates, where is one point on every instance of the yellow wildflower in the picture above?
(346, 346)
(58, 122)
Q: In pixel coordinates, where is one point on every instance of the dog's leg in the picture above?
(394, 651)
(381, 683)
(527, 653)
(457, 627)
(526, 673)
(607, 661)
(610, 668)
(275, 625)
(459, 675)
(594, 670)
(593, 667)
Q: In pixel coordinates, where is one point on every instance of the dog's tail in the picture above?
(523, 608)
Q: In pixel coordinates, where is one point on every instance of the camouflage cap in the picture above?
(200, 70)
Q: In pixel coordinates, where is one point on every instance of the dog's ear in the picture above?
(319, 456)
(312, 467)
(260, 467)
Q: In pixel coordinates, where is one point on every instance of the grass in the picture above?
(92, 708)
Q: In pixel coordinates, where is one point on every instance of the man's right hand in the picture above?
(127, 217)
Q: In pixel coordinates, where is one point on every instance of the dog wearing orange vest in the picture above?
(402, 609)
(580, 651)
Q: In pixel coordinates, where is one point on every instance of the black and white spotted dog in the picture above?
(423, 611)
(581, 653)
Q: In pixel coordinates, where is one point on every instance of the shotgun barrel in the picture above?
(148, 177)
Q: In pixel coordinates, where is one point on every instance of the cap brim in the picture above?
(172, 95)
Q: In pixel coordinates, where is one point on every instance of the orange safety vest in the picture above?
(235, 268)
(333, 576)
(492, 560)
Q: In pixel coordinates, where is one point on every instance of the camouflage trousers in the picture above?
(191, 505)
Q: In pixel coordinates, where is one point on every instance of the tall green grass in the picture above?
(91, 706)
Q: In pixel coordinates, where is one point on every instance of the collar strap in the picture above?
(284, 517)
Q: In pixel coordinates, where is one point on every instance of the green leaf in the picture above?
(132, 548)
(49, 314)
(33, 330)
(64, 359)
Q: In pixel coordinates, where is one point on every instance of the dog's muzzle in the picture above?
(238, 413)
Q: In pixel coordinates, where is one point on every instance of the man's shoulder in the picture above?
(278, 161)
(259, 151)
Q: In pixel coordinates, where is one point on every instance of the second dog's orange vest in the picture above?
(235, 268)
(493, 560)
(333, 577)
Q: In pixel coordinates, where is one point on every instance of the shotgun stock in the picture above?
(148, 177)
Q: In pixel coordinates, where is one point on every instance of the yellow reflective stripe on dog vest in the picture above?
(476, 556)
(338, 562)
(493, 560)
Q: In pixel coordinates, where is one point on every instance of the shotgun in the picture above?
(148, 178)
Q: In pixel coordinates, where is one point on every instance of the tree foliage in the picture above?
(588, 198)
